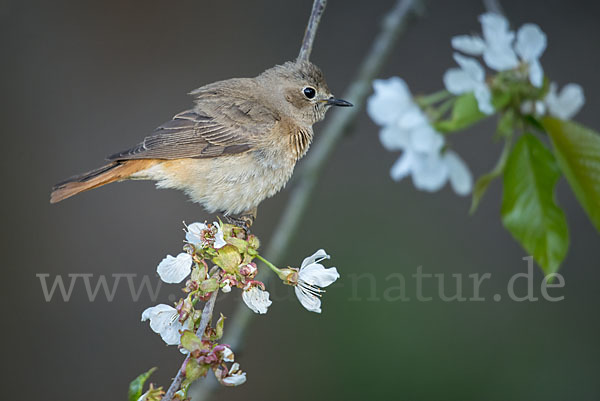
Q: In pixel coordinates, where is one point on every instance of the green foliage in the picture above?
(191, 342)
(136, 387)
(464, 113)
(484, 181)
(228, 258)
(528, 208)
(577, 151)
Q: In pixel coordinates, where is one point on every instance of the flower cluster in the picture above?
(406, 127)
(417, 128)
(231, 251)
(517, 56)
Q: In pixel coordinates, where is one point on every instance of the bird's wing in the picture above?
(222, 123)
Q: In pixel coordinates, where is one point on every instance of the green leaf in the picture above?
(577, 151)
(191, 342)
(528, 208)
(136, 387)
(485, 180)
(464, 113)
(228, 258)
(193, 371)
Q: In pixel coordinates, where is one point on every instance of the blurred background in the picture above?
(83, 79)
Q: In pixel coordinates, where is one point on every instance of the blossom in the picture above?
(407, 128)
(235, 376)
(175, 269)
(164, 320)
(256, 299)
(312, 277)
(201, 235)
(531, 43)
(470, 77)
(430, 172)
(226, 285)
(567, 103)
(227, 354)
(500, 50)
(563, 105)
(496, 45)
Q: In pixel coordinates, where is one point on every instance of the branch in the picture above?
(493, 6)
(311, 29)
(394, 24)
(207, 313)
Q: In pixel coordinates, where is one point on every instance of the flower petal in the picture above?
(393, 137)
(174, 270)
(425, 139)
(164, 321)
(531, 42)
(403, 166)
(472, 45)
(219, 240)
(566, 104)
(457, 81)
(315, 257)
(257, 300)
(193, 234)
(484, 99)
(317, 274)
(499, 54)
(235, 380)
(389, 100)
(459, 174)
(429, 173)
(471, 66)
(309, 301)
(536, 73)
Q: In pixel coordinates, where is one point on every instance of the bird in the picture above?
(236, 146)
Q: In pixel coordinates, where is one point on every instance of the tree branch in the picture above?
(207, 313)
(311, 29)
(493, 6)
(393, 25)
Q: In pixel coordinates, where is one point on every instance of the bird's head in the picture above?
(299, 90)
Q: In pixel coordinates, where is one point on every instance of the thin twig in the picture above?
(207, 313)
(311, 29)
(493, 6)
(393, 25)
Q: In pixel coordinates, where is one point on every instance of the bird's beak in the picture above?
(337, 102)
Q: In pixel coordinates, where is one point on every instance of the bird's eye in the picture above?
(309, 92)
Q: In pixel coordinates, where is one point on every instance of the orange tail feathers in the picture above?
(115, 171)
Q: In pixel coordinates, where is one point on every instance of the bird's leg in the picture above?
(243, 220)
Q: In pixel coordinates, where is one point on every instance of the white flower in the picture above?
(164, 320)
(256, 299)
(235, 376)
(567, 103)
(531, 43)
(563, 105)
(228, 354)
(390, 100)
(407, 128)
(199, 234)
(226, 285)
(496, 45)
(470, 77)
(312, 277)
(175, 269)
(497, 49)
(431, 171)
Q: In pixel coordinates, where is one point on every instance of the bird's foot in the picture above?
(243, 221)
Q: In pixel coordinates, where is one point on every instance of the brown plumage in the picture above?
(238, 144)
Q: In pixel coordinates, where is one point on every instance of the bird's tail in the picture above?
(112, 172)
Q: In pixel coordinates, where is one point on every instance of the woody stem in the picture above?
(207, 313)
(311, 29)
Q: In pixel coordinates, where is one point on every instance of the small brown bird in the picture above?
(236, 147)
